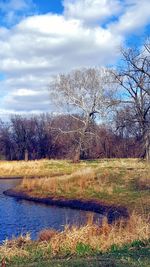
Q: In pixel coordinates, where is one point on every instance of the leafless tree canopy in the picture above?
(85, 95)
(36, 135)
(134, 78)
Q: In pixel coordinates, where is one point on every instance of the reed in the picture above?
(101, 238)
(91, 237)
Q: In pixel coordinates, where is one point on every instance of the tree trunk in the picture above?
(76, 156)
(147, 145)
(26, 156)
(78, 147)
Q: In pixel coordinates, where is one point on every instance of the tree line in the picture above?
(40, 137)
(101, 112)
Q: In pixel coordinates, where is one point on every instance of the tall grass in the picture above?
(101, 238)
(72, 239)
(115, 181)
(121, 182)
(79, 179)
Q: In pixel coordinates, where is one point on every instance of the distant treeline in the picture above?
(56, 137)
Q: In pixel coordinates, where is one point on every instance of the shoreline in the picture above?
(11, 177)
(112, 212)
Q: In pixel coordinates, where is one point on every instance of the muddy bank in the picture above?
(11, 177)
(112, 212)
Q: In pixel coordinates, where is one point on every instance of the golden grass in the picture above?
(61, 183)
(114, 181)
(80, 179)
(99, 238)
(124, 181)
(63, 167)
(15, 247)
(21, 168)
(35, 168)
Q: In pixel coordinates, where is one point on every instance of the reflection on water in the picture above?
(20, 216)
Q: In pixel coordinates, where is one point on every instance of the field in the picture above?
(124, 182)
(121, 182)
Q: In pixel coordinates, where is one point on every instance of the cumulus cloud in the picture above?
(38, 43)
(40, 46)
(37, 48)
(135, 17)
(92, 10)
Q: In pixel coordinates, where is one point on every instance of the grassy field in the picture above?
(133, 255)
(36, 168)
(119, 182)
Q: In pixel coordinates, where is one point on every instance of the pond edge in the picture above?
(112, 212)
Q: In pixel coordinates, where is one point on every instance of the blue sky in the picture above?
(54, 6)
(39, 39)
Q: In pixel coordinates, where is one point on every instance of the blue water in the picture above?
(21, 216)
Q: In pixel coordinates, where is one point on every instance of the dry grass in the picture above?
(62, 183)
(143, 183)
(101, 238)
(97, 238)
(15, 247)
(125, 182)
(47, 234)
(62, 167)
(35, 168)
(80, 179)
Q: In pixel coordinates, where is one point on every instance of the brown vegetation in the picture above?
(118, 182)
(96, 238)
(47, 234)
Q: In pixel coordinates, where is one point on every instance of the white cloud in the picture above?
(42, 45)
(135, 17)
(92, 10)
(24, 92)
(39, 43)
(38, 47)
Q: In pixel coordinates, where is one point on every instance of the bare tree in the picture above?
(134, 77)
(83, 94)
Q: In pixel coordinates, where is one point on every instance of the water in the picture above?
(21, 216)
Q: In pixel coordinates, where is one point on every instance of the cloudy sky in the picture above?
(39, 38)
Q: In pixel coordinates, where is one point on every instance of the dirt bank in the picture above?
(112, 212)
